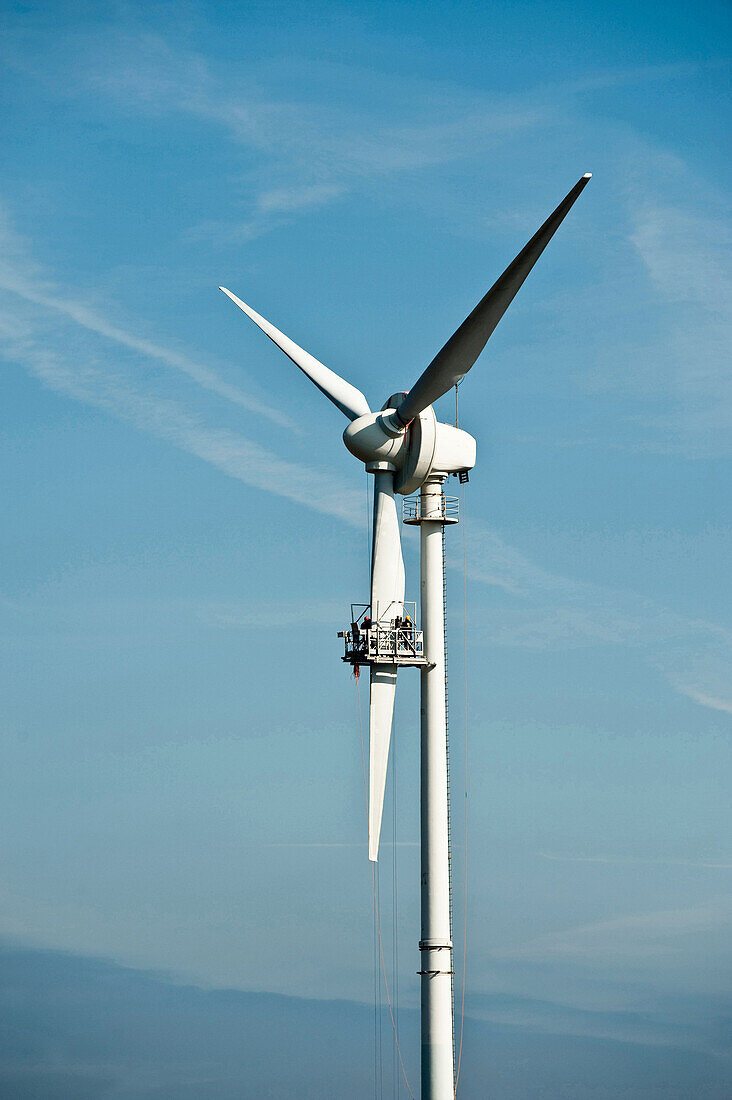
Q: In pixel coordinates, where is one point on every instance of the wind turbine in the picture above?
(408, 450)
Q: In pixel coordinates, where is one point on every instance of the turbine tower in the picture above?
(408, 451)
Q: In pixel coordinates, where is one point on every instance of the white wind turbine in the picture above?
(407, 449)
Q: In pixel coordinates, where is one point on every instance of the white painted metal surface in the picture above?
(436, 939)
(343, 395)
(387, 599)
(455, 359)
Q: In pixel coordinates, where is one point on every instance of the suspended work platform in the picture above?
(392, 639)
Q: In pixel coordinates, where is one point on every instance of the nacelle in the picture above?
(454, 450)
(433, 448)
(426, 447)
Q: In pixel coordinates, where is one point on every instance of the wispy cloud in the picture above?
(318, 151)
(551, 611)
(231, 452)
(270, 614)
(667, 354)
(315, 151)
(686, 256)
(88, 378)
(712, 865)
(630, 937)
(555, 612)
(268, 209)
(558, 612)
(287, 199)
(20, 276)
(707, 700)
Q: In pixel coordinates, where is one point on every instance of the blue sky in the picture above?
(184, 530)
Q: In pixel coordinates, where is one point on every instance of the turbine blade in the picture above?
(381, 711)
(387, 602)
(455, 359)
(345, 396)
(387, 563)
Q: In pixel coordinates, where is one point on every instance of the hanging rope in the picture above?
(376, 907)
(465, 838)
(377, 975)
(396, 1091)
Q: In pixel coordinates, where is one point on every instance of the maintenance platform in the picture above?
(392, 639)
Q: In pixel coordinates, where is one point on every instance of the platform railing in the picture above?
(448, 511)
(392, 639)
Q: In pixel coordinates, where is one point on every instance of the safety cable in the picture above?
(396, 1082)
(377, 975)
(377, 983)
(376, 903)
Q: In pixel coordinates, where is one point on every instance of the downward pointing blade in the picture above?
(345, 396)
(381, 712)
(453, 362)
(387, 602)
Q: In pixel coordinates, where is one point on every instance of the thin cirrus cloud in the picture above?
(289, 199)
(552, 611)
(55, 360)
(631, 938)
(231, 452)
(557, 612)
(686, 256)
(316, 151)
(669, 359)
(317, 154)
(20, 277)
(626, 861)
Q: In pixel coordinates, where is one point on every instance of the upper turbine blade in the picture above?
(345, 396)
(387, 603)
(465, 345)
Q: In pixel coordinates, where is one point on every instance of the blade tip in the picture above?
(587, 176)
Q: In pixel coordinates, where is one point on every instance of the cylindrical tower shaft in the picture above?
(436, 942)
